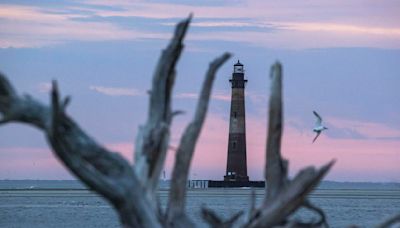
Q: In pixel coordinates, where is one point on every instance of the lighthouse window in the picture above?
(234, 114)
(234, 145)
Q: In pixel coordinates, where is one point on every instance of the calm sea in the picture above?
(67, 204)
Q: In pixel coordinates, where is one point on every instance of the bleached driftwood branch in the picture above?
(275, 166)
(184, 153)
(283, 196)
(103, 171)
(153, 138)
(390, 222)
(216, 222)
(15, 108)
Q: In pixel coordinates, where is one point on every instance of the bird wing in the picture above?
(319, 119)
(318, 133)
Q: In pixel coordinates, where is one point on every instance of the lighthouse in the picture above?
(236, 167)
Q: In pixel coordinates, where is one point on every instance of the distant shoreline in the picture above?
(77, 185)
(326, 181)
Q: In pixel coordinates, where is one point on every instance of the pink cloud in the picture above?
(44, 87)
(354, 25)
(221, 97)
(187, 96)
(116, 91)
(215, 96)
(342, 11)
(368, 129)
(342, 28)
(326, 24)
(28, 26)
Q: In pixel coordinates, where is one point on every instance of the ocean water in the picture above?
(62, 204)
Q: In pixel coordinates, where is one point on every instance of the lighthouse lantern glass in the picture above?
(238, 69)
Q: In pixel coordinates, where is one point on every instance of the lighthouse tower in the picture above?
(236, 168)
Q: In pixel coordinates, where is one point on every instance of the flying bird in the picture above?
(318, 126)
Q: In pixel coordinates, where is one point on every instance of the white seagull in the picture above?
(318, 126)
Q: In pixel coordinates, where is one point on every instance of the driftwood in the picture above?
(283, 196)
(132, 190)
(390, 222)
(153, 138)
(176, 205)
(214, 221)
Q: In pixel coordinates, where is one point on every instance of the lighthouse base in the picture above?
(236, 184)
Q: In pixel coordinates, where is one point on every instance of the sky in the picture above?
(340, 58)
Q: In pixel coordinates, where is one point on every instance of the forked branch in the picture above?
(106, 172)
(187, 145)
(24, 109)
(216, 222)
(283, 196)
(153, 138)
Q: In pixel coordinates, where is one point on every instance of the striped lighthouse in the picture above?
(236, 168)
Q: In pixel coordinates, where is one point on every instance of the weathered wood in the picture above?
(21, 108)
(322, 220)
(153, 138)
(105, 172)
(283, 196)
(275, 166)
(253, 208)
(185, 150)
(290, 198)
(216, 222)
(390, 222)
